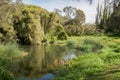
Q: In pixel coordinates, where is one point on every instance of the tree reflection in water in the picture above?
(40, 58)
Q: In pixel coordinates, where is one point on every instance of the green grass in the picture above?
(100, 59)
(89, 45)
(71, 43)
(10, 50)
(10, 53)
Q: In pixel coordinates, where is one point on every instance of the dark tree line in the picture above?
(108, 16)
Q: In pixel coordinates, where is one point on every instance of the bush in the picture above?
(74, 30)
(89, 29)
(62, 36)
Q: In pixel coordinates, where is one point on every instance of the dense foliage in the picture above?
(7, 32)
(108, 16)
(30, 24)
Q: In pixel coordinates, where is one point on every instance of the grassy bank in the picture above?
(10, 54)
(100, 59)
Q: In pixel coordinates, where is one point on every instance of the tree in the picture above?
(73, 25)
(69, 12)
(103, 13)
(108, 17)
(74, 15)
(5, 1)
(80, 16)
(115, 20)
(6, 26)
(28, 24)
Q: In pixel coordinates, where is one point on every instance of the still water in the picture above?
(35, 65)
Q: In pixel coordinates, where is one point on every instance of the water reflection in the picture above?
(45, 77)
(40, 58)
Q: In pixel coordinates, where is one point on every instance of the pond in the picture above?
(34, 66)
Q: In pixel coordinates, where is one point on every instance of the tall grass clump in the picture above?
(89, 45)
(9, 54)
(71, 43)
(6, 75)
(13, 51)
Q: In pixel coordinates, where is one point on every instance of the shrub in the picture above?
(62, 36)
(74, 30)
(89, 29)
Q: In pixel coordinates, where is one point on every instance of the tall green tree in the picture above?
(80, 16)
(29, 24)
(69, 11)
(73, 25)
(107, 17)
(7, 9)
(115, 20)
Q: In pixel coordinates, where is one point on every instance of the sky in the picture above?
(50, 5)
